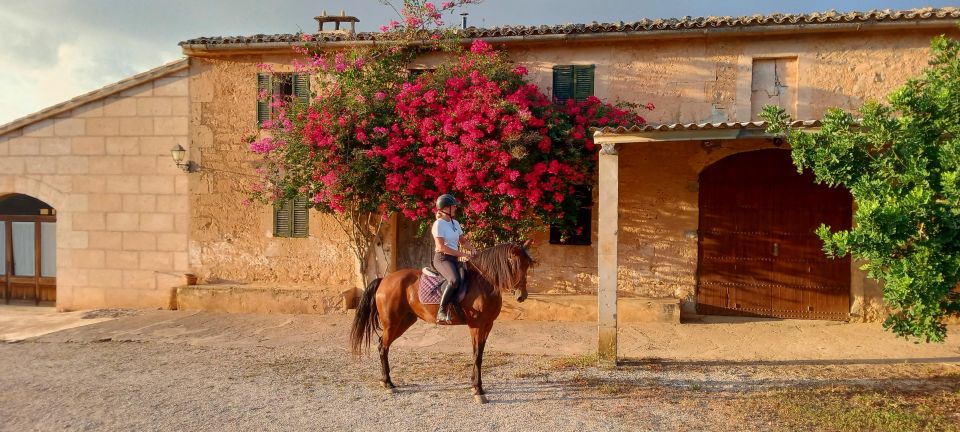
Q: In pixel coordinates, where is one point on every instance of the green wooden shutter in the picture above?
(301, 218)
(264, 82)
(583, 82)
(562, 83)
(281, 219)
(301, 88)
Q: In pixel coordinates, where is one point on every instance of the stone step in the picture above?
(583, 308)
(265, 299)
(326, 300)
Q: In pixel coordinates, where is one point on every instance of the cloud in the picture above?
(27, 43)
(53, 50)
(44, 66)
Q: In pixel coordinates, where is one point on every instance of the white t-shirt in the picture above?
(449, 231)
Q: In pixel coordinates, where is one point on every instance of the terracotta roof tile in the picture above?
(644, 25)
(678, 127)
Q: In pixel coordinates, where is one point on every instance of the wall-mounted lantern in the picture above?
(179, 153)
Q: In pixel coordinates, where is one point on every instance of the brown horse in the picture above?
(393, 305)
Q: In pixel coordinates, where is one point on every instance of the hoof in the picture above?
(480, 399)
(388, 385)
(475, 392)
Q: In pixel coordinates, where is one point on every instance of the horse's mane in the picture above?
(496, 266)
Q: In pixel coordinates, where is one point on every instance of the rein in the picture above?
(487, 278)
(483, 275)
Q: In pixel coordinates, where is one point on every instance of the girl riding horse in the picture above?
(392, 304)
(448, 236)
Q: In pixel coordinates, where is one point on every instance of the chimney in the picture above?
(323, 18)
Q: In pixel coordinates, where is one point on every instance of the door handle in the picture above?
(776, 249)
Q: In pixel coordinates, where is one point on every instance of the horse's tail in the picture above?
(367, 319)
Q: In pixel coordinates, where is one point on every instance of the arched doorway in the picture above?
(28, 260)
(758, 253)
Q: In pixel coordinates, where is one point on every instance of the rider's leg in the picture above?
(447, 266)
(462, 273)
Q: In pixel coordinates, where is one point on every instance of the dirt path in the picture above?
(205, 371)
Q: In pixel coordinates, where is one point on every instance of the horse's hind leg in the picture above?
(385, 365)
(390, 334)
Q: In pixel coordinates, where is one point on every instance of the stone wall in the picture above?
(689, 80)
(704, 80)
(122, 209)
(232, 242)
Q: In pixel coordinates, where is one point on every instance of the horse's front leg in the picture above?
(479, 341)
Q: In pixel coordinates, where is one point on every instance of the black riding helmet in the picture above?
(446, 200)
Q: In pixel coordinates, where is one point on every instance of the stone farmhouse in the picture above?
(698, 211)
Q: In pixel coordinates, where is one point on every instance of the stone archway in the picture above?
(28, 249)
(758, 252)
(28, 214)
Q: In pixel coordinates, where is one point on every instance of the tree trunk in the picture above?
(363, 229)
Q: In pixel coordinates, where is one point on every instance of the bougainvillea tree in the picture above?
(476, 128)
(374, 140)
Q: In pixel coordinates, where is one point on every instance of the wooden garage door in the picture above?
(759, 254)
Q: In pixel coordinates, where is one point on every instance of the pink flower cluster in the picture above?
(475, 128)
(488, 142)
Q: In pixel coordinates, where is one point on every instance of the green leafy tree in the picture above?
(901, 163)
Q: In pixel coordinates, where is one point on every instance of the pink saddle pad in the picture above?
(430, 286)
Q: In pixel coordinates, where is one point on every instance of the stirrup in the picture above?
(443, 316)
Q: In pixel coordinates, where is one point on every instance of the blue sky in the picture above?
(53, 50)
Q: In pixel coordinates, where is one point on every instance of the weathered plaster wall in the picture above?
(231, 241)
(122, 210)
(689, 80)
(705, 80)
(709, 79)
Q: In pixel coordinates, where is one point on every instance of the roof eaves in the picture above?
(677, 127)
(825, 20)
(689, 131)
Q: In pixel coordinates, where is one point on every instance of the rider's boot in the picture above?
(443, 313)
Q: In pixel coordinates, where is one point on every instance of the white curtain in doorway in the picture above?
(3, 247)
(23, 248)
(48, 249)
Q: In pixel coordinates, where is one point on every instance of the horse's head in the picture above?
(505, 267)
(523, 261)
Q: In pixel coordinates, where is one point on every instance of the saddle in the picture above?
(430, 290)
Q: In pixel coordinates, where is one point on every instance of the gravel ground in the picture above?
(219, 372)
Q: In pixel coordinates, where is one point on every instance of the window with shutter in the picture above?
(584, 225)
(264, 84)
(281, 219)
(573, 82)
(301, 218)
(301, 88)
(562, 83)
(582, 82)
(291, 218)
(291, 87)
